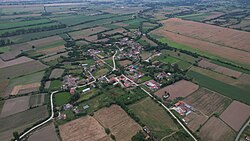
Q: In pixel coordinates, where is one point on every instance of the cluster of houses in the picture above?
(133, 50)
(123, 81)
(183, 108)
(152, 84)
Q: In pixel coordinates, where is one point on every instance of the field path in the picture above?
(168, 136)
(242, 129)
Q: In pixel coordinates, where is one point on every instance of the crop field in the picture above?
(20, 121)
(47, 133)
(231, 115)
(117, 120)
(54, 57)
(134, 24)
(181, 88)
(214, 34)
(183, 65)
(101, 72)
(167, 59)
(86, 33)
(62, 98)
(145, 41)
(124, 63)
(179, 55)
(123, 10)
(22, 23)
(146, 26)
(219, 69)
(36, 100)
(17, 61)
(78, 19)
(37, 35)
(85, 128)
(220, 87)
(195, 120)
(201, 16)
(15, 105)
(23, 89)
(208, 102)
(202, 47)
(21, 69)
(154, 117)
(216, 130)
(117, 30)
(240, 82)
(56, 73)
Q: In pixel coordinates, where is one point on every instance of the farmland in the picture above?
(236, 108)
(159, 122)
(167, 70)
(215, 125)
(117, 120)
(181, 88)
(208, 102)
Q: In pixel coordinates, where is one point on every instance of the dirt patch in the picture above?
(214, 15)
(236, 115)
(52, 50)
(208, 102)
(82, 129)
(17, 61)
(124, 63)
(214, 34)
(207, 65)
(118, 30)
(56, 73)
(15, 105)
(25, 88)
(195, 120)
(216, 130)
(47, 133)
(117, 120)
(181, 88)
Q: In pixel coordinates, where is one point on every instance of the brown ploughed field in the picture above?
(236, 115)
(226, 71)
(124, 63)
(214, 34)
(194, 120)
(216, 130)
(47, 133)
(82, 129)
(119, 123)
(181, 88)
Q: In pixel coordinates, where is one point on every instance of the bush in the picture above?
(107, 131)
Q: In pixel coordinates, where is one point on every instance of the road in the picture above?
(165, 107)
(242, 130)
(52, 108)
(113, 57)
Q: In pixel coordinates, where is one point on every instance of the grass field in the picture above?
(220, 87)
(101, 72)
(154, 117)
(145, 78)
(87, 95)
(36, 100)
(183, 65)
(167, 59)
(62, 98)
(134, 24)
(23, 23)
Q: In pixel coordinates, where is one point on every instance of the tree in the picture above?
(138, 137)
(107, 131)
(16, 136)
(33, 47)
(112, 137)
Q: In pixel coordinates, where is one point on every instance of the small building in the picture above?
(85, 90)
(85, 107)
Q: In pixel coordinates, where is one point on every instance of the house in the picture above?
(72, 91)
(85, 107)
(152, 84)
(85, 90)
(67, 106)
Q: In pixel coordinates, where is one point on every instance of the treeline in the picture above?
(4, 42)
(32, 30)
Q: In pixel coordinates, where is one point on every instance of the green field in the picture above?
(101, 72)
(195, 17)
(62, 98)
(86, 96)
(167, 59)
(23, 23)
(183, 65)
(55, 84)
(4, 49)
(145, 78)
(134, 24)
(220, 87)
(154, 117)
